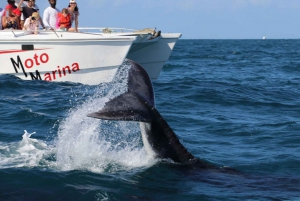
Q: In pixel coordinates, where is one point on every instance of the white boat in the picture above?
(90, 57)
(151, 50)
(62, 56)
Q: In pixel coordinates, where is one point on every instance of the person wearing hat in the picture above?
(50, 16)
(31, 24)
(27, 8)
(73, 10)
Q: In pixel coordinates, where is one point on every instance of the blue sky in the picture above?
(195, 19)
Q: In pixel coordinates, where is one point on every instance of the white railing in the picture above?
(106, 29)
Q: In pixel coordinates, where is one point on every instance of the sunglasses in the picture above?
(72, 3)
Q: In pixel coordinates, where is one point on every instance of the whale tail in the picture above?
(138, 104)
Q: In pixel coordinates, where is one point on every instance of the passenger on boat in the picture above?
(50, 16)
(27, 8)
(64, 20)
(11, 16)
(32, 23)
(11, 6)
(10, 22)
(21, 18)
(1, 13)
(74, 13)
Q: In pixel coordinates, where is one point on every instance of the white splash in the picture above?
(26, 153)
(97, 145)
(84, 143)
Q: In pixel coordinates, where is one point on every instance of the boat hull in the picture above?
(153, 56)
(84, 58)
(150, 52)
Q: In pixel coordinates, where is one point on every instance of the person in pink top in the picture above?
(31, 24)
(27, 8)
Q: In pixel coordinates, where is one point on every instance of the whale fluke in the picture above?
(138, 104)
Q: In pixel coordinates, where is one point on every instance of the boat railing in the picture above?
(106, 30)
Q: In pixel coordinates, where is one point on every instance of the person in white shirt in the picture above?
(50, 16)
(1, 13)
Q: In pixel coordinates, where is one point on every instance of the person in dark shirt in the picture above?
(28, 9)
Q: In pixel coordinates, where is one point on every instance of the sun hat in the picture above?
(35, 15)
(72, 1)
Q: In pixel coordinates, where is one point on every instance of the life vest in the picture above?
(65, 21)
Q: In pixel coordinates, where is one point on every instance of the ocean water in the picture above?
(232, 103)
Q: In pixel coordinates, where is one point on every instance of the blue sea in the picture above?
(232, 103)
